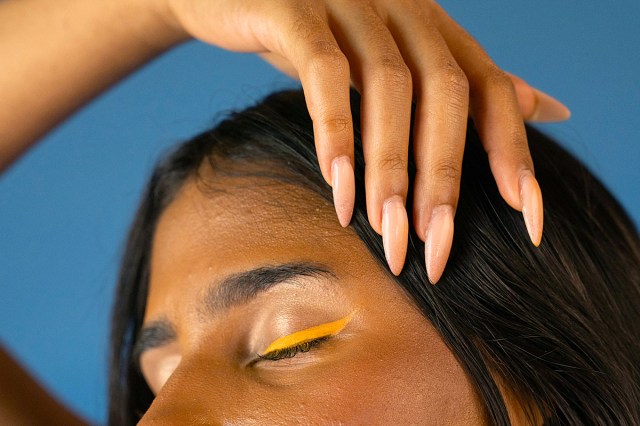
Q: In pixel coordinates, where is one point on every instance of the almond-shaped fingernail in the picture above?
(395, 233)
(343, 185)
(532, 211)
(438, 241)
(548, 109)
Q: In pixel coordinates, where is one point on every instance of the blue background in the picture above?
(65, 207)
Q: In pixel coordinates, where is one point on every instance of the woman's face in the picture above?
(263, 310)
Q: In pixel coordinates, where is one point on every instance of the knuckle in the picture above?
(457, 80)
(455, 84)
(392, 162)
(446, 173)
(391, 69)
(336, 123)
(497, 78)
(326, 57)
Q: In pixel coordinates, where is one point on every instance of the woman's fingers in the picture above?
(497, 116)
(395, 51)
(441, 91)
(395, 55)
(295, 35)
(537, 106)
(311, 48)
(384, 79)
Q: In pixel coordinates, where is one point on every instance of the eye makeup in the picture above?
(302, 341)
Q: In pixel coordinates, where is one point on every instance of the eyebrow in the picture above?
(155, 334)
(233, 290)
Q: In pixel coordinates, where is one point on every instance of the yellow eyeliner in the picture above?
(302, 336)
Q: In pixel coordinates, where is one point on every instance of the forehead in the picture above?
(240, 224)
(240, 211)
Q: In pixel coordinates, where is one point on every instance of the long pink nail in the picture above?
(548, 109)
(438, 241)
(344, 189)
(532, 211)
(395, 233)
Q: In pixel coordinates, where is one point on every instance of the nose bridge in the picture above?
(196, 393)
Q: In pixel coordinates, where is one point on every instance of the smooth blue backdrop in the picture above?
(65, 207)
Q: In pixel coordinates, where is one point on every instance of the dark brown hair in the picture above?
(559, 324)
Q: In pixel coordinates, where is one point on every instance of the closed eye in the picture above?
(291, 351)
(303, 341)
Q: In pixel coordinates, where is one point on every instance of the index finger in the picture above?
(324, 73)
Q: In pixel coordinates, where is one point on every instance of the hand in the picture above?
(394, 52)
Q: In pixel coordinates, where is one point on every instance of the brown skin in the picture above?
(23, 401)
(59, 54)
(388, 366)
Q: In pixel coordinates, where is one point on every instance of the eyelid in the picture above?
(309, 334)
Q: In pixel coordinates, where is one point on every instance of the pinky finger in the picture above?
(537, 106)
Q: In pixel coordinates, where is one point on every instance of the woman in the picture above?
(126, 37)
(240, 303)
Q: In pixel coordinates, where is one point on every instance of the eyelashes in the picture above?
(303, 341)
(291, 351)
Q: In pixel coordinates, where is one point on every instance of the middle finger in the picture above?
(442, 103)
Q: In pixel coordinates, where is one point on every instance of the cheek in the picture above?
(401, 384)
